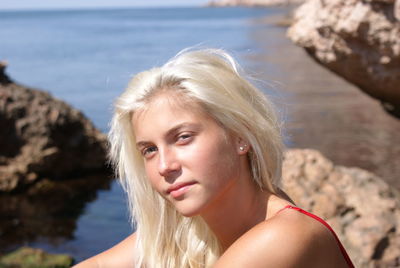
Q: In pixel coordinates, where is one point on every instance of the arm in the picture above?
(121, 255)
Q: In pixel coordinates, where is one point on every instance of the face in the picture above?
(189, 158)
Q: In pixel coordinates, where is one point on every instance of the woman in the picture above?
(199, 151)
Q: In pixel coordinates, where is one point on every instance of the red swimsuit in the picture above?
(345, 255)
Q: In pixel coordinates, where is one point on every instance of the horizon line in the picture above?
(60, 8)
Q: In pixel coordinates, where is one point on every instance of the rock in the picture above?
(43, 137)
(34, 258)
(253, 3)
(363, 210)
(358, 40)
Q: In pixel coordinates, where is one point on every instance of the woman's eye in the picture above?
(186, 137)
(147, 151)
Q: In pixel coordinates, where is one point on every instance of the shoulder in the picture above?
(121, 255)
(289, 239)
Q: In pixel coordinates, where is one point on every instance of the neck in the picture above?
(240, 208)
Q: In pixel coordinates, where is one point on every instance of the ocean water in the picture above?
(86, 57)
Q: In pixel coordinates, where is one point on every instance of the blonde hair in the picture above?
(211, 78)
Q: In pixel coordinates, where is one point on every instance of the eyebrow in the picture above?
(171, 132)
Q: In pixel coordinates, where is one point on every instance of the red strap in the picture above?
(342, 249)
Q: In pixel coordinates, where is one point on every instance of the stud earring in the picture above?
(241, 148)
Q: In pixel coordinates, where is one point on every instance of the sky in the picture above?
(62, 4)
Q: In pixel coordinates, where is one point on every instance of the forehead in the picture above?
(164, 111)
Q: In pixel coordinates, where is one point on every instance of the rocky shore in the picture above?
(358, 40)
(52, 162)
(324, 112)
(42, 137)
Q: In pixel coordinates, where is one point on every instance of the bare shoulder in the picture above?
(121, 255)
(289, 239)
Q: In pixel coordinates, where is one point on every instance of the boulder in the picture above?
(252, 3)
(42, 137)
(358, 40)
(363, 210)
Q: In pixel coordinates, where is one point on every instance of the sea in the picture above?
(87, 57)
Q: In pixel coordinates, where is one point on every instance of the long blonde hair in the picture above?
(211, 78)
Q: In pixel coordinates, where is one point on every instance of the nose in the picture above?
(168, 164)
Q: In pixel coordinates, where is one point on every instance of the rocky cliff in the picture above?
(363, 210)
(359, 40)
(43, 137)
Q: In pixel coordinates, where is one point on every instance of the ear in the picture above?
(242, 146)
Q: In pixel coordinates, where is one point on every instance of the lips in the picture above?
(179, 189)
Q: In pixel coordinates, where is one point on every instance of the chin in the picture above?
(188, 210)
(188, 215)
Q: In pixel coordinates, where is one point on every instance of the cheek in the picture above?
(215, 161)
